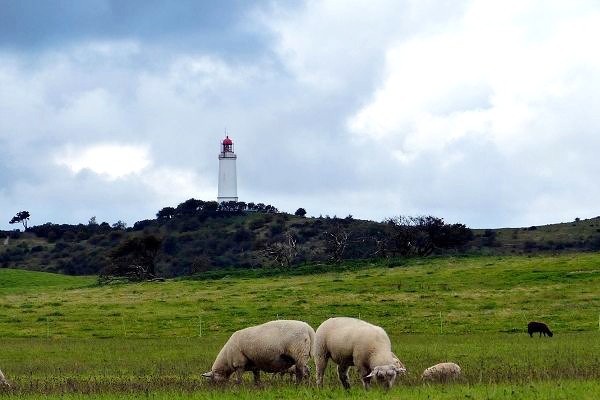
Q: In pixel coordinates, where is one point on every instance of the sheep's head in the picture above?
(216, 376)
(386, 374)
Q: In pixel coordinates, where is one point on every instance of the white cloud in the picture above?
(339, 45)
(492, 76)
(112, 161)
(173, 185)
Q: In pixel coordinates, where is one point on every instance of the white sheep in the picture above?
(3, 381)
(274, 346)
(442, 372)
(351, 341)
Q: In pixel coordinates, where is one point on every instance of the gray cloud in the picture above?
(186, 25)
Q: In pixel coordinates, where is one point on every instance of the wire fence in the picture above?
(437, 323)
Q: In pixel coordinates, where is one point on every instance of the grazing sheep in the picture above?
(540, 327)
(350, 341)
(274, 346)
(442, 372)
(3, 381)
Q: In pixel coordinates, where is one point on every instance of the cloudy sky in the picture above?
(481, 112)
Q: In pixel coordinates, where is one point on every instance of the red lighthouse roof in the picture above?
(227, 141)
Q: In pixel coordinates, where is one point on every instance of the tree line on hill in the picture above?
(199, 236)
(209, 239)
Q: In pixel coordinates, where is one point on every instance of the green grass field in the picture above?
(65, 336)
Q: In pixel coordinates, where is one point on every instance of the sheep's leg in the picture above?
(256, 374)
(363, 376)
(388, 384)
(238, 374)
(321, 364)
(300, 371)
(343, 375)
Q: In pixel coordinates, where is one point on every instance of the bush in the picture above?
(301, 212)
(256, 224)
(276, 229)
(243, 235)
(134, 259)
(170, 245)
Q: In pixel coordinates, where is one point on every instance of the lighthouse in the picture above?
(227, 174)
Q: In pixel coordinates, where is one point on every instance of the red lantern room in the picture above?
(227, 145)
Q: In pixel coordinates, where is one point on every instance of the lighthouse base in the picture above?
(226, 199)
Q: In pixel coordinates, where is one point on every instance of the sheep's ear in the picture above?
(372, 374)
(208, 374)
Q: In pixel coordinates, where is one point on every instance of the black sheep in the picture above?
(540, 327)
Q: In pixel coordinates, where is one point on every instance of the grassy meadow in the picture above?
(64, 336)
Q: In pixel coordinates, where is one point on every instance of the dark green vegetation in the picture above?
(197, 236)
(205, 239)
(156, 338)
(578, 235)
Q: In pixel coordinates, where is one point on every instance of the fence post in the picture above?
(441, 330)
(199, 326)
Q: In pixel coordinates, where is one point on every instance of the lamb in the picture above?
(442, 372)
(274, 346)
(399, 363)
(540, 327)
(3, 381)
(350, 341)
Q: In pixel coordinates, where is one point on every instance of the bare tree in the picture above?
(284, 252)
(408, 236)
(336, 241)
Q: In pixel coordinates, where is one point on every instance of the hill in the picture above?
(469, 294)
(578, 235)
(153, 339)
(199, 237)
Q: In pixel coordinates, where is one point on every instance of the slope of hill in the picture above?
(198, 237)
(581, 234)
(464, 294)
(143, 339)
(203, 235)
(20, 281)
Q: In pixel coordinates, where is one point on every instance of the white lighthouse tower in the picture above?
(227, 174)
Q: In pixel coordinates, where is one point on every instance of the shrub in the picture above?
(276, 229)
(301, 212)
